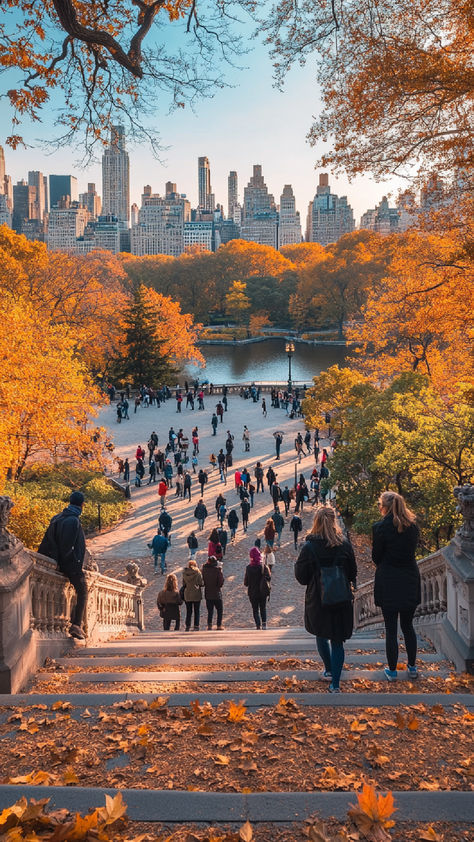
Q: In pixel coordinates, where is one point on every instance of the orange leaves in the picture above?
(372, 813)
(236, 712)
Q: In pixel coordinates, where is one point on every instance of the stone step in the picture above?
(179, 807)
(236, 676)
(215, 642)
(140, 661)
(252, 700)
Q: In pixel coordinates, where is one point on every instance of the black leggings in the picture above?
(391, 636)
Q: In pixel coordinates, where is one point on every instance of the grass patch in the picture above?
(44, 490)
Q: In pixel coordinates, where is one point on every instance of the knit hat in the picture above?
(255, 555)
(77, 499)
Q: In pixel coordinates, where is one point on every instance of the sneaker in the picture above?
(77, 633)
(412, 672)
(391, 675)
(334, 689)
(327, 675)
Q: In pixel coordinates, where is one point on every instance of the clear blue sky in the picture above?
(249, 123)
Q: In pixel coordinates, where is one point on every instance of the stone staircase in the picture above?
(256, 667)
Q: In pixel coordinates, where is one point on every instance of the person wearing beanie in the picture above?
(257, 581)
(64, 541)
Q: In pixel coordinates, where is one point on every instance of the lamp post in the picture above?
(290, 350)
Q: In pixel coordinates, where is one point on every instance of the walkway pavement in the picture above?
(128, 541)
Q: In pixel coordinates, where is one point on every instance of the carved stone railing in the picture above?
(433, 572)
(112, 605)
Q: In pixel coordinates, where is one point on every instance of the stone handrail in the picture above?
(112, 605)
(433, 572)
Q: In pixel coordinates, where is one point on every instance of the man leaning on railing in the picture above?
(64, 541)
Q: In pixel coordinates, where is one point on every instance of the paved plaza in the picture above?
(114, 548)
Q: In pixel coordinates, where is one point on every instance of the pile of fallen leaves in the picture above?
(29, 821)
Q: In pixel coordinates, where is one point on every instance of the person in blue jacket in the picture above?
(159, 546)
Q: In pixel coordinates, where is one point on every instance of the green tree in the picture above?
(143, 360)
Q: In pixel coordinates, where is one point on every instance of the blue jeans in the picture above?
(332, 657)
(162, 561)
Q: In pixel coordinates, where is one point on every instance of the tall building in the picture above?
(206, 196)
(382, 219)
(24, 205)
(160, 226)
(116, 177)
(5, 215)
(329, 216)
(289, 223)
(67, 223)
(6, 192)
(232, 194)
(261, 228)
(198, 236)
(61, 186)
(2, 170)
(38, 181)
(91, 201)
(257, 199)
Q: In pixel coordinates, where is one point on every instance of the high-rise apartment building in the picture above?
(67, 223)
(116, 177)
(289, 223)
(160, 227)
(232, 194)
(91, 201)
(329, 216)
(61, 186)
(6, 193)
(2, 170)
(39, 182)
(257, 199)
(206, 196)
(382, 219)
(24, 205)
(198, 236)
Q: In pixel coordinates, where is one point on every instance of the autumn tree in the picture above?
(104, 61)
(418, 317)
(237, 301)
(396, 80)
(257, 322)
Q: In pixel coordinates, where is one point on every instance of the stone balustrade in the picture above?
(433, 572)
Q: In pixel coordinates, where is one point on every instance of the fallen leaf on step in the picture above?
(221, 760)
(246, 832)
(430, 835)
(236, 712)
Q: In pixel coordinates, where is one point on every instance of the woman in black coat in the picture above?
(325, 546)
(397, 587)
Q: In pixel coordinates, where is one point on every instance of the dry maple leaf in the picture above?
(317, 832)
(61, 706)
(236, 712)
(372, 813)
(430, 835)
(70, 777)
(114, 809)
(221, 760)
(246, 832)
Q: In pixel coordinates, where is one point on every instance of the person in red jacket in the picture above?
(162, 489)
(140, 453)
(238, 480)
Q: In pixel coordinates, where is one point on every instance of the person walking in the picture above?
(168, 472)
(168, 602)
(139, 472)
(200, 513)
(278, 443)
(278, 522)
(397, 589)
(162, 491)
(232, 522)
(296, 527)
(271, 477)
(264, 408)
(307, 441)
(164, 521)
(159, 546)
(214, 546)
(286, 497)
(214, 423)
(246, 439)
(126, 471)
(187, 486)
(223, 537)
(192, 543)
(326, 559)
(276, 494)
(259, 476)
(269, 533)
(245, 509)
(257, 581)
(202, 480)
(192, 584)
(269, 558)
(64, 541)
(213, 582)
(251, 488)
(152, 471)
(221, 461)
(220, 411)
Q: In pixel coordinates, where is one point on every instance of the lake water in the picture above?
(265, 361)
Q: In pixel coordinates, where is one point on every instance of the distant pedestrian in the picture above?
(162, 491)
(165, 520)
(286, 497)
(202, 480)
(152, 471)
(245, 509)
(214, 546)
(126, 471)
(233, 522)
(279, 523)
(187, 486)
(296, 527)
(259, 476)
(214, 423)
(220, 411)
(213, 582)
(269, 533)
(246, 439)
(257, 581)
(159, 546)
(193, 583)
(269, 558)
(264, 408)
(168, 602)
(278, 442)
(223, 538)
(194, 463)
(139, 472)
(200, 513)
(251, 493)
(192, 543)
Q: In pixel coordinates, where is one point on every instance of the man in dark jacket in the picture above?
(245, 508)
(286, 497)
(279, 522)
(65, 542)
(259, 476)
(165, 520)
(276, 494)
(295, 527)
(233, 522)
(213, 581)
(200, 513)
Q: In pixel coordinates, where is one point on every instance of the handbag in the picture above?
(181, 592)
(334, 585)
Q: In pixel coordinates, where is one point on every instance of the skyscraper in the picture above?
(232, 194)
(116, 177)
(24, 204)
(382, 219)
(2, 170)
(91, 201)
(62, 185)
(289, 225)
(161, 221)
(329, 215)
(257, 199)
(37, 180)
(206, 196)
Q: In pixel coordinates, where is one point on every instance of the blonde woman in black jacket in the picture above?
(397, 589)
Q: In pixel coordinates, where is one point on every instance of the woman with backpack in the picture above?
(257, 581)
(326, 565)
(397, 588)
